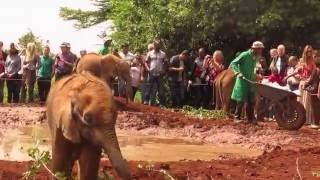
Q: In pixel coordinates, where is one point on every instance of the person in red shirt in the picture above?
(3, 57)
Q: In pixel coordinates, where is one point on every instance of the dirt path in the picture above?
(282, 148)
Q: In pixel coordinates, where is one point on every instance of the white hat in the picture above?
(257, 45)
(108, 38)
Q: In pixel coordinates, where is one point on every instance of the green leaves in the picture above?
(28, 38)
(40, 159)
(230, 25)
(86, 19)
(204, 113)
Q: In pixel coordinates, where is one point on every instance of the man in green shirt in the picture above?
(45, 72)
(105, 49)
(244, 92)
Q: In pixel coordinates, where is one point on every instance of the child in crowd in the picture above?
(293, 78)
(275, 77)
(262, 67)
(136, 74)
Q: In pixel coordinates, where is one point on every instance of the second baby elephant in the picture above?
(81, 114)
(107, 67)
(224, 84)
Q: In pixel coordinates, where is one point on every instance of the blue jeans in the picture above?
(176, 92)
(144, 91)
(155, 87)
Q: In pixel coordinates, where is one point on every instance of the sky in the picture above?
(42, 18)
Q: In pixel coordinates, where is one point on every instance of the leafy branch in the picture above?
(40, 159)
(204, 113)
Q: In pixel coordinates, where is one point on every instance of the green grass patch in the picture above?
(204, 113)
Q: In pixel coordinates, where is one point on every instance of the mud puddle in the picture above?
(15, 144)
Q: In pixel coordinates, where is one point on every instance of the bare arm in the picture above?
(176, 69)
(148, 59)
(297, 72)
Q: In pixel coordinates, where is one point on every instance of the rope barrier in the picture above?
(9, 79)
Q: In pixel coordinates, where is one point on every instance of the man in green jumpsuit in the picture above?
(244, 92)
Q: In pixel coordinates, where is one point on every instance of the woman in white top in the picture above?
(29, 64)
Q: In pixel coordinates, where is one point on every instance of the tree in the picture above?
(29, 37)
(215, 24)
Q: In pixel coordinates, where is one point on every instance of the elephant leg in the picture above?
(89, 162)
(62, 159)
(218, 95)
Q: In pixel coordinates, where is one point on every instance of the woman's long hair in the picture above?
(30, 52)
(305, 57)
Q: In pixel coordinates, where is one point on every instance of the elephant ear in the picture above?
(69, 122)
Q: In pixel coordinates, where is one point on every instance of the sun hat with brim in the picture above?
(257, 45)
(64, 44)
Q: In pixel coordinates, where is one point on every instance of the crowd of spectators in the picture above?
(183, 79)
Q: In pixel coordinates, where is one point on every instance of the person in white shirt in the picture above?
(126, 54)
(129, 57)
(156, 62)
(280, 62)
(145, 90)
(136, 74)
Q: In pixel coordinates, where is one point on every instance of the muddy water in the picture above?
(14, 145)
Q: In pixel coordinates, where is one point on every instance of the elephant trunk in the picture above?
(111, 147)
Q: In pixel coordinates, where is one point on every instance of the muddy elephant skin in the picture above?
(81, 115)
(107, 67)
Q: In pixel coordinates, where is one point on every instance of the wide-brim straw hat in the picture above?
(257, 45)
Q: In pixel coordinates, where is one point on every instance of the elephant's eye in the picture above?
(87, 119)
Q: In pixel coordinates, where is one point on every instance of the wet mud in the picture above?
(187, 148)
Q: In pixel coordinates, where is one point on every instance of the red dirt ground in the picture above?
(282, 148)
(278, 164)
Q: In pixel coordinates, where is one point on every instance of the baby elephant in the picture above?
(107, 67)
(82, 115)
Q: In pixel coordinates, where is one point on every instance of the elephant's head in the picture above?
(114, 66)
(94, 116)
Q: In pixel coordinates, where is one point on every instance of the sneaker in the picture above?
(314, 126)
(237, 120)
